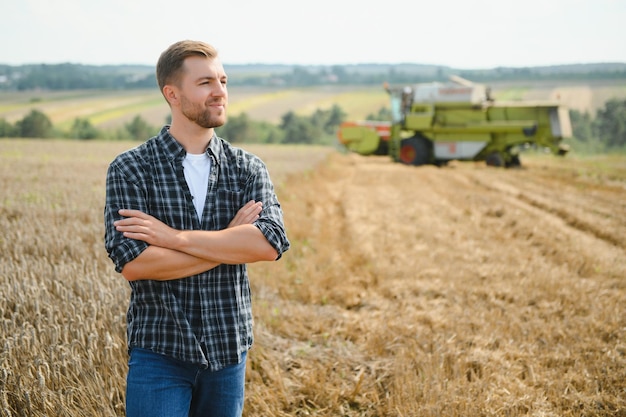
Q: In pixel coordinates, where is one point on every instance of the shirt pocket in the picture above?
(226, 204)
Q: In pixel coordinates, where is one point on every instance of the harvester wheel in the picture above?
(514, 162)
(494, 160)
(416, 150)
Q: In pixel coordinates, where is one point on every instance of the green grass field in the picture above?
(112, 109)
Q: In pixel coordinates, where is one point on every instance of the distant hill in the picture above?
(70, 76)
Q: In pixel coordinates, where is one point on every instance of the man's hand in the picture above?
(248, 214)
(141, 226)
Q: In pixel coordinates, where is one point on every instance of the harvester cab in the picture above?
(433, 123)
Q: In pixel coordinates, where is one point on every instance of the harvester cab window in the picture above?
(407, 99)
(397, 114)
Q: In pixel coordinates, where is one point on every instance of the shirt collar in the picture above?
(214, 150)
(175, 151)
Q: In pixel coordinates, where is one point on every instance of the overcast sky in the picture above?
(457, 33)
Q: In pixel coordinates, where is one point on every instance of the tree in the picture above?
(139, 129)
(384, 114)
(328, 120)
(335, 118)
(239, 129)
(583, 139)
(7, 130)
(34, 125)
(83, 129)
(610, 123)
(581, 125)
(319, 119)
(299, 129)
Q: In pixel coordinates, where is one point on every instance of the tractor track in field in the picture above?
(595, 225)
(468, 218)
(471, 274)
(577, 223)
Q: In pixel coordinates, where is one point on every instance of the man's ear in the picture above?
(171, 94)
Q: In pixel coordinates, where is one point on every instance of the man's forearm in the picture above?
(241, 242)
(235, 245)
(164, 264)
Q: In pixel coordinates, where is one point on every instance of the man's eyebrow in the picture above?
(211, 77)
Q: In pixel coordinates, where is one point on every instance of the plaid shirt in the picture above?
(205, 319)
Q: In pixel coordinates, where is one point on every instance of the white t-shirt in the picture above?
(197, 169)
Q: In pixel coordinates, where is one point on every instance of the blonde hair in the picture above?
(170, 64)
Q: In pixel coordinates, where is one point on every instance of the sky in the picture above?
(462, 34)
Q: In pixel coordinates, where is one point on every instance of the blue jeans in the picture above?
(160, 386)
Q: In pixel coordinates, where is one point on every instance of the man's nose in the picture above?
(220, 90)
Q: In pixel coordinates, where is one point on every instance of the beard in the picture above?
(201, 114)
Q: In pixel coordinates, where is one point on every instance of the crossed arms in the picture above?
(174, 254)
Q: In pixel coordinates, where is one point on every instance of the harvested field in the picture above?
(408, 291)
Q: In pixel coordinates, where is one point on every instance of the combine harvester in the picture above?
(433, 123)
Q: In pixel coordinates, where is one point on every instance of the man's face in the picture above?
(203, 92)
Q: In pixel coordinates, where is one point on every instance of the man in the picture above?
(185, 211)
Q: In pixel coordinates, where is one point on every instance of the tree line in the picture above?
(69, 76)
(602, 132)
(318, 128)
